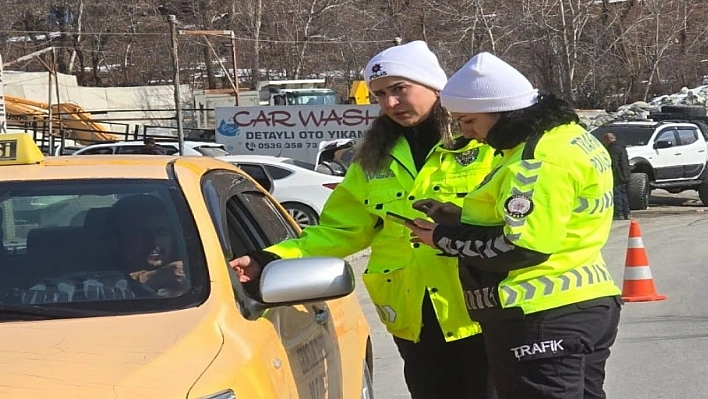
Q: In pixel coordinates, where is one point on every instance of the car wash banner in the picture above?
(3, 111)
(290, 131)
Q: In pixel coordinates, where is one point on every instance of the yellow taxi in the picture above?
(114, 283)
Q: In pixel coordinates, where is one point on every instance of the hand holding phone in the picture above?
(440, 212)
(396, 218)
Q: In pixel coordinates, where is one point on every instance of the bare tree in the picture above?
(598, 53)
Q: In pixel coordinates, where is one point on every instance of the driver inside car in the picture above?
(143, 245)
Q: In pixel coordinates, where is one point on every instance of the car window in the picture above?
(245, 220)
(138, 149)
(130, 149)
(301, 164)
(629, 135)
(212, 151)
(120, 245)
(259, 173)
(278, 173)
(245, 217)
(97, 151)
(687, 136)
(667, 135)
(170, 150)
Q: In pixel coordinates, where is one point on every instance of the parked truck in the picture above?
(266, 93)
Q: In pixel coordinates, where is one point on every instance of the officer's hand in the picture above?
(247, 268)
(443, 213)
(422, 231)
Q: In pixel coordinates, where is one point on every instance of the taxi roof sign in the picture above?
(19, 149)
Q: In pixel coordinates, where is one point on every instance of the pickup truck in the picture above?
(669, 151)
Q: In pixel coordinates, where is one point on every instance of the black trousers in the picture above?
(621, 201)
(436, 369)
(554, 354)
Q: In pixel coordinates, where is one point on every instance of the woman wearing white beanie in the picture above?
(408, 153)
(529, 246)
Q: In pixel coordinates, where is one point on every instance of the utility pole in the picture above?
(233, 55)
(3, 126)
(172, 20)
(221, 33)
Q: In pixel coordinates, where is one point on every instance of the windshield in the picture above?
(121, 246)
(629, 135)
(212, 151)
(304, 97)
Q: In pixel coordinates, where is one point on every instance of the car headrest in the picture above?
(56, 244)
(97, 219)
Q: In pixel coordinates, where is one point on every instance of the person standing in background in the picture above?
(408, 153)
(621, 173)
(151, 147)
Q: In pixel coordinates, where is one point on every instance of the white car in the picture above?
(297, 187)
(205, 148)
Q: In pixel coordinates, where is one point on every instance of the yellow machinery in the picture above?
(76, 122)
(359, 93)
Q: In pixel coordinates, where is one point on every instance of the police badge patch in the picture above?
(377, 72)
(518, 206)
(467, 157)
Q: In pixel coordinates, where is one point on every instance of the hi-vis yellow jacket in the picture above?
(398, 272)
(535, 227)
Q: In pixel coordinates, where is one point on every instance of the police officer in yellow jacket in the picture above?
(531, 235)
(407, 154)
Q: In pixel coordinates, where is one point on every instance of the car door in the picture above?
(694, 151)
(247, 220)
(668, 162)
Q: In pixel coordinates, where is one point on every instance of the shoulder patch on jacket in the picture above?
(518, 206)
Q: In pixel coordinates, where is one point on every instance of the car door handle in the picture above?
(321, 316)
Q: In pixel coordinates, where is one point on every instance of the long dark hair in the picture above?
(372, 153)
(516, 127)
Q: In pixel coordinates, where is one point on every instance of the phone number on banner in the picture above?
(270, 145)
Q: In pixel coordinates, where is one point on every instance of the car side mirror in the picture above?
(310, 279)
(663, 144)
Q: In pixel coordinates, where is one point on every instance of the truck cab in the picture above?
(296, 92)
(266, 93)
(669, 154)
(304, 97)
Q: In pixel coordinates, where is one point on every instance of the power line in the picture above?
(240, 38)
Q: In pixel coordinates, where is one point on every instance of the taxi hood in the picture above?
(135, 356)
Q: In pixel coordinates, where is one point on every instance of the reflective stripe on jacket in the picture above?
(399, 272)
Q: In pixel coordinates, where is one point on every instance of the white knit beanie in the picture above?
(487, 84)
(412, 61)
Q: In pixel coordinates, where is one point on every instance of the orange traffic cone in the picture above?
(638, 284)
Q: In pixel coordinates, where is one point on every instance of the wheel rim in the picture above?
(300, 217)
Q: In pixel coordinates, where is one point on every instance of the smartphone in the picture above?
(394, 217)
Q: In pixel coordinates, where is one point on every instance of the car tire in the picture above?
(303, 214)
(638, 191)
(367, 382)
(703, 189)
